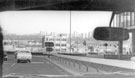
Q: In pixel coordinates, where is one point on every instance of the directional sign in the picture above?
(49, 44)
(49, 49)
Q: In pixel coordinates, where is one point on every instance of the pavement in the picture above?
(43, 67)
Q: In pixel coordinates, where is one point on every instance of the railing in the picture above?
(98, 64)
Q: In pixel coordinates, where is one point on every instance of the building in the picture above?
(59, 40)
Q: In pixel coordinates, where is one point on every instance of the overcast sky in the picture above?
(30, 22)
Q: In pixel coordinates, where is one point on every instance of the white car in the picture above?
(24, 56)
(133, 59)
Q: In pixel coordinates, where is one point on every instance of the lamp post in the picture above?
(60, 42)
(70, 31)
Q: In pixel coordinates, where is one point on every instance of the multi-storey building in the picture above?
(59, 40)
(61, 43)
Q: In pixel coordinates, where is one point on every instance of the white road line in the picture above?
(13, 64)
(38, 56)
(54, 75)
(37, 62)
(48, 62)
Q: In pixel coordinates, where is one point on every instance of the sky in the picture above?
(31, 22)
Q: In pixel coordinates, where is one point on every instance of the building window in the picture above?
(57, 49)
(63, 44)
(57, 44)
(132, 17)
(63, 49)
(46, 39)
(51, 39)
(63, 39)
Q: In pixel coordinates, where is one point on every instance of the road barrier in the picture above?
(117, 56)
(74, 54)
(95, 64)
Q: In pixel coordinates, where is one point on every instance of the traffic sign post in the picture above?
(49, 49)
(49, 46)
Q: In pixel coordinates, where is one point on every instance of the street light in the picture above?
(70, 31)
(60, 42)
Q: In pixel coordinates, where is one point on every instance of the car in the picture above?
(133, 59)
(24, 56)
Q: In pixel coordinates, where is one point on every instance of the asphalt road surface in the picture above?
(40, 67)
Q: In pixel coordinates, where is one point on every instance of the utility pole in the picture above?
(70, 31)
(60, 42)
(1, 53)
(120, 49)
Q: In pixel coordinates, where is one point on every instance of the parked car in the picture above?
(23, 56)
(133, 59)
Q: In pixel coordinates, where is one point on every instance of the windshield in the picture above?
(62, 44)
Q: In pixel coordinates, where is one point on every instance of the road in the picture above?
(40, 67)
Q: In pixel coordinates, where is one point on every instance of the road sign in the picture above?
(106, 44)
(49, 49)
(49, 44)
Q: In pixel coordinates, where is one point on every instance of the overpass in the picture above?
(126, 20)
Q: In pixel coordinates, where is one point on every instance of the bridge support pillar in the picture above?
(133, 42)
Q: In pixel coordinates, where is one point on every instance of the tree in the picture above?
(84, 43)
(91, 48)
(105, 44)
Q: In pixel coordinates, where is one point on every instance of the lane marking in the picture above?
(12, 76)
(48, 62)
(13, 64)
(54, 75)
(38, 75)
(38, 56)
(37, 62)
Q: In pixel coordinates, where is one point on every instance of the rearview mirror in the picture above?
(111, 33)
